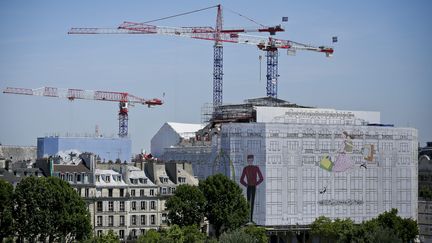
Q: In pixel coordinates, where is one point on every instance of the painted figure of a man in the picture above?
(251, 178)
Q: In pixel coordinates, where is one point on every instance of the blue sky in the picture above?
(382, 62)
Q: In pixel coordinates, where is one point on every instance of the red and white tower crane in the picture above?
(123, 98)
(219, 36)
(204, 33)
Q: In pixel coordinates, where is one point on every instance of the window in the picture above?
(143, 205)
(122, 206)
(152, 205)
(99, 232)
(99, 206)
(99, 221)
(133, 193)
(78, 178)
(111, 206)
(254, 145)
(86, 192)
(121, 192)
(142, 231)
(122, 220)
(164, 190)
(164, 218)
(133, 205)
(151, 192)
(309, 145)
(152, 219)
(143, 219)
(274, 146)
(110, 192)
(236, 146)
(133, 220)
(110, 220)
(143, 181)
(142, 192)
(121, 234)
(98, 178)
(182, 179)
(107, 178)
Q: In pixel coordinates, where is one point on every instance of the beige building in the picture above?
(126, 199)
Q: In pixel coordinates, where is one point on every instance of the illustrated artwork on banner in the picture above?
(343, 161)
(251, 177)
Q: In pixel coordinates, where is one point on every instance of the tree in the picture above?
(258, 233)
(425, 193)
(50, 209)
(408, 230)
(226, 207)
(151, 236)
(109, 237)
(193, 235)
(186, 207)
(174, 234)
(6, 207)
(236, 236)
(323, 227)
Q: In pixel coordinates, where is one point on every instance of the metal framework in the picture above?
(217, 34)
(272, 73)
(218, 61)
(123, 98)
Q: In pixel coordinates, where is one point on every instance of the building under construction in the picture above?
(314, 161)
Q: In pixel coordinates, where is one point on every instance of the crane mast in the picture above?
(123, 98)
(219, 35)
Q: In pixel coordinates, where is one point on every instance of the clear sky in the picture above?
(382, 62)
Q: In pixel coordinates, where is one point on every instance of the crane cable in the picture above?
(202, 9)
(181, 14)
(241, 15)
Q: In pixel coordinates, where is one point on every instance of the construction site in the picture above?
(313, 161)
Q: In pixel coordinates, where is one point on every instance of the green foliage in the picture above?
(322, 226)
(192, 234)
(387, 227)
(174, 234)
(6, 208)
(49, 208)
(151, 236)
(109, 237)
(425, 193)
(226, 207)
(186, 207)
(236, 236)
(258, 233)
(344, 230)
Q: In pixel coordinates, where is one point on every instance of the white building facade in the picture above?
(340, 164)
(291, 149)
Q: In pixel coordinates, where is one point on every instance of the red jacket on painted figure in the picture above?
(251, 172)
